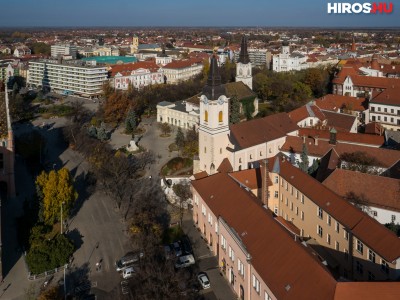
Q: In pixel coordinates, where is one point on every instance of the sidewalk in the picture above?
(208, 263)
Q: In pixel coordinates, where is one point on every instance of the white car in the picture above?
(204, 281)
(184, 261)
(128, 273)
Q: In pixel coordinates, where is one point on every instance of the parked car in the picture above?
(177, 248)
(184, 261)
(186, 245)
(128, 260)
(204, 281)
(128, 272)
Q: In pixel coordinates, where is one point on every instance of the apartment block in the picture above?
(60, 50)
(67, 77)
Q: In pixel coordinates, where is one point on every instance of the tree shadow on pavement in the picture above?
(78, 284)
(76, 237)
(85, 184)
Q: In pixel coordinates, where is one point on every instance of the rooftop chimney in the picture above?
(316, 140)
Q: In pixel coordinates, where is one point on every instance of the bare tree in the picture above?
(183, 193)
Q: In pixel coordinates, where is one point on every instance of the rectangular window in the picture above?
(297, 211)
(328, 238)
(393, 218)
(302, 198)
(276, 179)
(320, 213)
(223, 242)
(359, 267)
(371, 277)
(337, 246)
(302, 215)
(384, 266)
(203, 209)
(256, 284)
(291, 192)
(287, 186)
(371, 255)
(287, 201)
(276, 195)
(297, 194)
(266, 296)
(291, 206)
(337, 226)
(319, 230)
(346, 235)
(240, 267)
(328, 220)
(231, 254)
(360, 246)
(209, 218)
(216, 227)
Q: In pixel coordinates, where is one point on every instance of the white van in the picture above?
(128, 273)
(184, 261)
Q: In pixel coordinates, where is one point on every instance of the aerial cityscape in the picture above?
(215, 150)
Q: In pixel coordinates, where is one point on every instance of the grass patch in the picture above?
(177, 166)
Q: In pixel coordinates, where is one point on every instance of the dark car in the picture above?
(186, 245)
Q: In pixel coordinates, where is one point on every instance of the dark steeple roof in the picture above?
(213, 89)
(244, 55)
(163, 54)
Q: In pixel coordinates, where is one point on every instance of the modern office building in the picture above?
(67, 77)
(64, 50)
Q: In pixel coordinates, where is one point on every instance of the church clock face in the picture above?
(220, 101)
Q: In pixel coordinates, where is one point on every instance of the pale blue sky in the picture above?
(185, 13)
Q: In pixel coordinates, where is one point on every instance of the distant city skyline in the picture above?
(87, 13)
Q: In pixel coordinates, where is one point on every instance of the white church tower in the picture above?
(135, 45)
(214, 122)
(243, 66)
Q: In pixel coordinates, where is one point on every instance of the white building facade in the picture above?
(285, 62)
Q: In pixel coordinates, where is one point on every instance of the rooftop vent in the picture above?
(287, 288)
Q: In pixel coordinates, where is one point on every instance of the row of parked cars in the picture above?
(126, 263)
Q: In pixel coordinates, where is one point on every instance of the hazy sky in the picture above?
(185, 13)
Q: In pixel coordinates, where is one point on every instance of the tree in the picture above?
(179, 138)
(183, 192)
(53, 293)
(359, 161)
(102, 133)
(55, 189)
(303, 164)
(234, 110)
(130, 121)
(165, 129)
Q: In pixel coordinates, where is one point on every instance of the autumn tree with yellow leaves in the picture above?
(55, 189)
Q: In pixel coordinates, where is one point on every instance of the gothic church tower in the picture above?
(243, 66)
(214, 122)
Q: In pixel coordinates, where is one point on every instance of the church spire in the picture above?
(213, 89)
(244, 55)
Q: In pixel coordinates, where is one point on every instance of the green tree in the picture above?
(55, 189)
(303, 164)
(179, 138)
(130, 121)
(234, 110)
(102, 133)
(165, 129)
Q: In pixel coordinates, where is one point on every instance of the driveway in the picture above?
(208, 263)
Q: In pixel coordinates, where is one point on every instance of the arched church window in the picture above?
(205, 116)
(240, 160)
(205, 150)
(240, 168)
(240, 72)
(220, 117)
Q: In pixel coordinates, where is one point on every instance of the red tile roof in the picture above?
(370, 232)
(341, 122)
(305, 112)
(344, 137)
(364, 81)
(126, 69)
(367, 290)
(225, 166)
(258, 131)
(336, 102)
(181, 64)
(378, 191)
(278, 259)
(390, 96)
(385, 157)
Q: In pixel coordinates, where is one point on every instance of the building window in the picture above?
(328, 220)
(256, 284)
(223, 242)
(291, 206)
(266, 296)
(205, 150)
(337, 226)
(371, 255)
(393, 218)
(276, 194)
(205, 116)
(302, 215)
(276, 179)
(346, 254)
(297, 194)
(220, 117)
(203, 209)
(297, 211)
(240, 267)
(302, 198)
(216, 227)
(337, 246)
(319, 230)
(287, 186)
(346, 235)
(385, 266)
(320, 213)
(196, 200)
(371, 277)
(360, 246)
(231, 254)
(328, 239)
(287, 202)
(359, 267)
